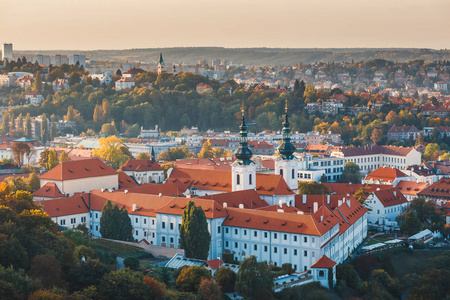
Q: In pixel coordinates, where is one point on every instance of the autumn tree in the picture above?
(377, 135)
(20, 151)
(6, 122)
(207, 150)
(37, 86)
(391, 117)
(194, 235)
(143, 155)
(52, 160)
(73, 115)
(312, 188)
(64, 157)
(209, 289)
(110, 150)
(190, 278)
(33, 183)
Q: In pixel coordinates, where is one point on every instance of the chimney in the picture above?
(125, 192)
(134, 207)
(102, 190)
(280, 210)
(160, 195)
(328, 199)
(224, 205)
(348, 203)
(280, 203)
(321, 218)
(339, 203)
(299, 212)
(315, 207)
(304, 198)
(241, 206)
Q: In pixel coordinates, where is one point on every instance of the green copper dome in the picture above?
(244, 153)
(286, 148)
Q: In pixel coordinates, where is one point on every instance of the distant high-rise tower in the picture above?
(161, 64)
(7, 52)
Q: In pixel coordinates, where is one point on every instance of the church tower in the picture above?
(161, 64)
(286, 163)
(243, 170)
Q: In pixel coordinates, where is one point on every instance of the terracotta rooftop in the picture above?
(211, 208)
(386, 174)
(440, 188)
(323, 263)
(79, 169)
(49, 190)
(411, 187)
(166, 189)
(141, 165)
(65, 206)
(390, 197)
(126, 182)
(249, 198)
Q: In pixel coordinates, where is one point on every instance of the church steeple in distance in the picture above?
(243, 154)
(161, 61)
(286, 148)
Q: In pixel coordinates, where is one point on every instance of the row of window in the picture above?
(266, 234)
(62, 222)
(275, 249)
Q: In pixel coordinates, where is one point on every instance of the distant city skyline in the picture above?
(112, 24)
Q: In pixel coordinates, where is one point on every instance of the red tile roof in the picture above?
(275, 221)
(49, 190)
(176, 207)
(126, 182)
(79, 169)
(284, 207)
(215, 263)
(385, 174)
(141, 165)
(65, 206)
(411, 187)
(323, 263)
(372, 150)
(249, 198)
(266, 184)
(390, 197)
(166, 189)
(440, 188)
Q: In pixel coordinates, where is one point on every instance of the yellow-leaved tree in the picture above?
(110, 150)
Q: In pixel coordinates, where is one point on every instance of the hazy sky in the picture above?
(124, 24)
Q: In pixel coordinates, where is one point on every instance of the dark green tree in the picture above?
(45, 132)
(411, 224)
(194, 235)
(351, 173)
(28, 126)
(190, 278)
(115, 223)
(226, 277)
(253, 279)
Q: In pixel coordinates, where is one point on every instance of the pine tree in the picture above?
(44, 129)
(98, 117)
(28, 126)
(6, 122)
(37, 86)
(106, 110)
(13, 122)
(20, 122)
(33, 183)
(194, 235)
(115, 223)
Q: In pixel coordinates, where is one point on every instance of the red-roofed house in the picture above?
(385, 175)
(81, 176)
(203, 88)
(411, 189)
(144, 170)
(384, 206)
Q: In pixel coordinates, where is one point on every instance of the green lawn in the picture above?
(380, 239)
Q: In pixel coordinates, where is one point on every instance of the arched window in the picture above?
(293, 173)
(238, 179)
(321, 273)
(281, 172)
(250, 179)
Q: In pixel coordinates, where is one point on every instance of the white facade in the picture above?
(243, 176)
(124, 83)
(72, 221)
(70, 187)
(147, 176)
(381, 214)
(289, 170)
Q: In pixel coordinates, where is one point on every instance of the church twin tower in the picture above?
(244, 170)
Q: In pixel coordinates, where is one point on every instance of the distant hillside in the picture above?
(258, 56)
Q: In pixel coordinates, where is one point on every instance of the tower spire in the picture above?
(243, 154)
(286, 148)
